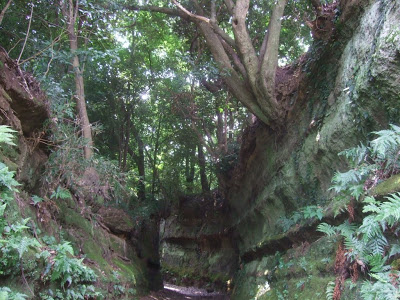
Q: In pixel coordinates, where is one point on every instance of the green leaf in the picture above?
(6, 135)
(394, 250)
(378, 277)
(326, 229)
(37, 199)
(2, 209)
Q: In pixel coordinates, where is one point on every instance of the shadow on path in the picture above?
(173, 292)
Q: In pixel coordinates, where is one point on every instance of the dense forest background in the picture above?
(155, 98)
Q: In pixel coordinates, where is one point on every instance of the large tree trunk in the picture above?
(71, 12)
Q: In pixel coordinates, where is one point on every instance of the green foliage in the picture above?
(73, 276)
(367, 244)
(369, 165)
(7, 294)
(6, 135)
(313, 211)
(310, 212)
(61, 193)
(329, 290)
(65, 268)
(16, 241)
(7, 181)
(326, 229)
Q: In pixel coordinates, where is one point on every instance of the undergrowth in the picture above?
(370, 249)
(22, 251)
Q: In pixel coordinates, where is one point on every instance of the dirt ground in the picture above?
(173, 292)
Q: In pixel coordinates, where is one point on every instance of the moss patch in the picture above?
(388, 186)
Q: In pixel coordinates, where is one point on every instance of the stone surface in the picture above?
(197, 246)
(116, 220)
(350, 88)
(358, 93)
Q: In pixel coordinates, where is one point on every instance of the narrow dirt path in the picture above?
(173, 292)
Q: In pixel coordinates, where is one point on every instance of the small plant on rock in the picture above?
(368, 248)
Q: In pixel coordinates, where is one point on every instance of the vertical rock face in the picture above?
(197, 246)
(23, 106)
(350, 87)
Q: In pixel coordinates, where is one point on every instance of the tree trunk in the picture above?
(202, 164)
(189, 172)
(71, 12)
(155, 153)
(140, 162)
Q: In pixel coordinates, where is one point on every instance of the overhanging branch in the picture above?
(191, 15)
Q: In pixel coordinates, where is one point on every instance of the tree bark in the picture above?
(140, 162)
(202, 164)
(190, 169)
(71, 13)
(3, 11)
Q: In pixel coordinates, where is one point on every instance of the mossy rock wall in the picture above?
(197, 248)
(123, 255)
(352, 88)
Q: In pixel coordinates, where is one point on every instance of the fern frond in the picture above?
(347, 229)
(326, 229)
(330, 288)
(343, 181)
(394, 250)
(356, 191)
(390, 210)
(370, 228)
(387, 142)
(6, 135)
(377, 245)
(355, 155)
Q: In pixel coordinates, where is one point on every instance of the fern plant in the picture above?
(62, 267)
(367, 245)
(6, 135)
(369, 165)
(73, 276)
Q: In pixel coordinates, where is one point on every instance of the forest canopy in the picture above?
(165, 88)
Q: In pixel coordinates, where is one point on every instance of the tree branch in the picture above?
(229, 5)
(270, 62)
(40, 52)
(3, 11)
(244, 42)
(263, 48)
(235, 58)
(228, 73)
(213, 12)
(218, 30)
(163, 10)
(191, 15)
(27, 34)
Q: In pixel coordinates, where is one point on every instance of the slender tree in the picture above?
(70, 11)
(3, 11)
